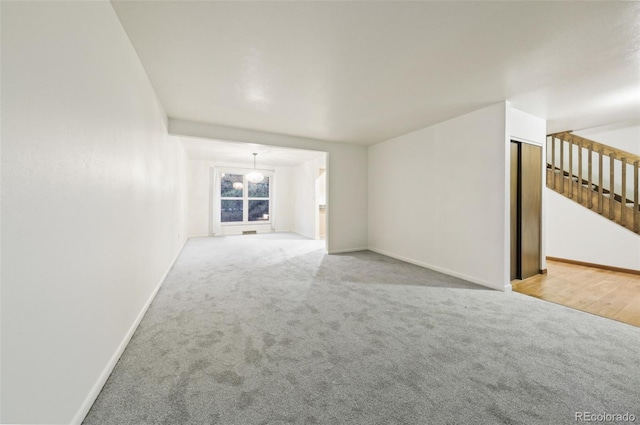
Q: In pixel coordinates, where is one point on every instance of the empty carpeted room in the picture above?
(302, 212)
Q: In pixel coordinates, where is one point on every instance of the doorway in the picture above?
(526, 209)
(321, 200)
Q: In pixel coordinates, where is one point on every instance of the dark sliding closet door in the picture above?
(526, 209)
(515, 248)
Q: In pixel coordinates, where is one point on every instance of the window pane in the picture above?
(231, 186)
(259, 190)
(258, 210)
(230, 210)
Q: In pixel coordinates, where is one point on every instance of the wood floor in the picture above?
(610, 294)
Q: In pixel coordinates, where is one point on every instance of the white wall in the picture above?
(577, 233)
(525, 127)
(624, 136)
(305, 202)
(346, 170)
(200, 189)
(283, 199)
(92, 192)
(437, 197)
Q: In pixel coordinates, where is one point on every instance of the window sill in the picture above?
(248, 223)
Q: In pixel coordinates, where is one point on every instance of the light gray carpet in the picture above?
(266, 329)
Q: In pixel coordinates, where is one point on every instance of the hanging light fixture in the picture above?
(237, 185)
(255, 176)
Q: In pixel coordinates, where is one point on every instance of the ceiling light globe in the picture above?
(255, 177)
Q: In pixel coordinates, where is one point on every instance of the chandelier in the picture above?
(255, 176)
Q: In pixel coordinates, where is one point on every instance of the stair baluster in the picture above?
(561, 165)
(553, 161)
(636, 207)
(612, 187)
(623, 192)
(580, 186)
(570, 142)
(589, 192)
(600, 186)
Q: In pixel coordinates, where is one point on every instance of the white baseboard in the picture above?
(342, 251)
(102, 379)
(492, 285)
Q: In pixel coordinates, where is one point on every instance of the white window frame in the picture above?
(245, 197)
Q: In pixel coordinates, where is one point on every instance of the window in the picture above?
(242, 201)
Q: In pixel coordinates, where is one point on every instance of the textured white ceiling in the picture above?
(237, 153)
(364, 72)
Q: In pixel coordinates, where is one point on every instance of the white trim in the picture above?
(102, 379)
(505, 288)
(327, 216)
(506, 192)
(248, 223)
(297, 233)
(527, 141)
(543, 209)
(342, 251)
